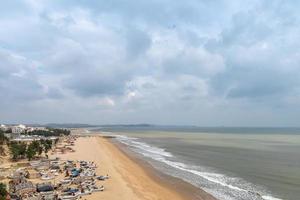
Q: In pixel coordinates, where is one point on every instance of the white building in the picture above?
(17, 130)
(31, 129)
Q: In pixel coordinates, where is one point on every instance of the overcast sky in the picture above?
(192, 62)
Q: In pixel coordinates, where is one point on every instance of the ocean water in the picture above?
(229, 163)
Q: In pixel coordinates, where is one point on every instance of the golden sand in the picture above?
(129, 179)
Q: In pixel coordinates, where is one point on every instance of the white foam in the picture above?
(143, 146)
(270, 198)
(107, 132)
(212, 177)
(163, 156)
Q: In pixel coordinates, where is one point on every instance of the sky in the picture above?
(194, 62)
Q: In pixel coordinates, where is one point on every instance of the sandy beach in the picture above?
(130, 178)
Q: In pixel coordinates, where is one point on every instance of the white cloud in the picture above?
(193, 62)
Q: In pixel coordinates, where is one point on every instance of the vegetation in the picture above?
(3, 139)
(30, 151)
(8, 131)
(21, 150)
(59, 131)
(18, 150)
(50, 132)
(3, 191)
(47, 145)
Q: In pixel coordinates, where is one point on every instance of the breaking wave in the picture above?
(219, 185)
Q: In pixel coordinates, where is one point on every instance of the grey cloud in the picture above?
(173, 61)
(13, 8)
(254, 47)
(137, 42)
(66, 56)
(18, 79)
(54, 93)
(95, 85)
(246, 29)
(239, 82)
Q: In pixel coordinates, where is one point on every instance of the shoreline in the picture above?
(187, 190)
(131, 178)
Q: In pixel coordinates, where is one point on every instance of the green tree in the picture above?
(37, 146)
(56, 141)
(3, 191)
(31, 151)
(3, 139)
(17, 149)
(22, 149)
(14, 150)
(50, 132)
(47, 144)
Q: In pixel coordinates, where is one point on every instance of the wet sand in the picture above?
(130, 178)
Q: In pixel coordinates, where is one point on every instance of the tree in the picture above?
(8, 130)
(37, 146)
(17, 149)
(22, 147)
(3, 139)
(56, 141)
(14, 150)
(50, 132)
(31, 151)
(21, 150)
(47, 144)
(3, 191)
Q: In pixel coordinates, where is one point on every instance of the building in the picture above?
(3, 127)
(30, 129)
(17, 130)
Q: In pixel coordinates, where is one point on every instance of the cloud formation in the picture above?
(205, 63)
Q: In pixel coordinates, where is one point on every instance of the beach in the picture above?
(130, 178)
(154, 164)
(229, 163)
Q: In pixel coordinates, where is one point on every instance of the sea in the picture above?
(231, 163)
